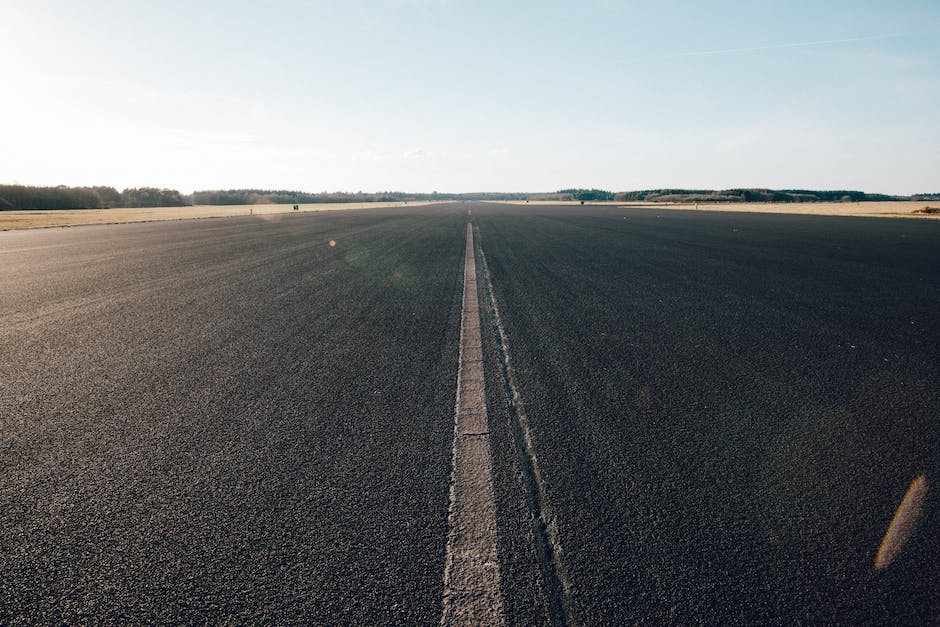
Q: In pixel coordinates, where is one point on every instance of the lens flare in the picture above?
(903, 524)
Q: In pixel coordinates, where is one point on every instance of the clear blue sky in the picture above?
(423, 95)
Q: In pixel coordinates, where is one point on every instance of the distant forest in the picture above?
(752, 195)
(285, 197)
(62, 197)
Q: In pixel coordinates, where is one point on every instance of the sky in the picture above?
(460, 96)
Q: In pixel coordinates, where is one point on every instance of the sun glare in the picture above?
(903, 524)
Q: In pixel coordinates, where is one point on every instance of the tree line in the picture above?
(286, 197)
(752, 195)
(62, 197)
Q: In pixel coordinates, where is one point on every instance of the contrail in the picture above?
(800, 44)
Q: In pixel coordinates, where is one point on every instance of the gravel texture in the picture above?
(235, 421)
(728, 408)
(229, 420)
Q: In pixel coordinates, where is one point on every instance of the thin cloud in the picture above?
(367, 156)
(416, 154)
(798, 44)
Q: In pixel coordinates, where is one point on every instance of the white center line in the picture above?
(471, 572)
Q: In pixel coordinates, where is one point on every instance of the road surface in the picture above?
(252, 419)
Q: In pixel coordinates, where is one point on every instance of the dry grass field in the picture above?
(900, 209)
(10, 220)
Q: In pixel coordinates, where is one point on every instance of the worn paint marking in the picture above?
(471, 572)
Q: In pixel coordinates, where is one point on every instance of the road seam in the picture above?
(471, 572)
(557, 588)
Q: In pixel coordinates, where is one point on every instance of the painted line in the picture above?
(903, 524)
(471, 571)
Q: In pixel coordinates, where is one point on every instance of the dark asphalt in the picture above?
(229, 420)
(233, 421)
(727, 407)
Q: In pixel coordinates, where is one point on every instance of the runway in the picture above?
(252, 419)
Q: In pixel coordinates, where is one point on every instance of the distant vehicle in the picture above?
(296, 208)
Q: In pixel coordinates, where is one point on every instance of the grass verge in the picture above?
(10, 220)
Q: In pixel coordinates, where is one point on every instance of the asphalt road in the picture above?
(728, 408)
(233, 420)
(229, 420)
